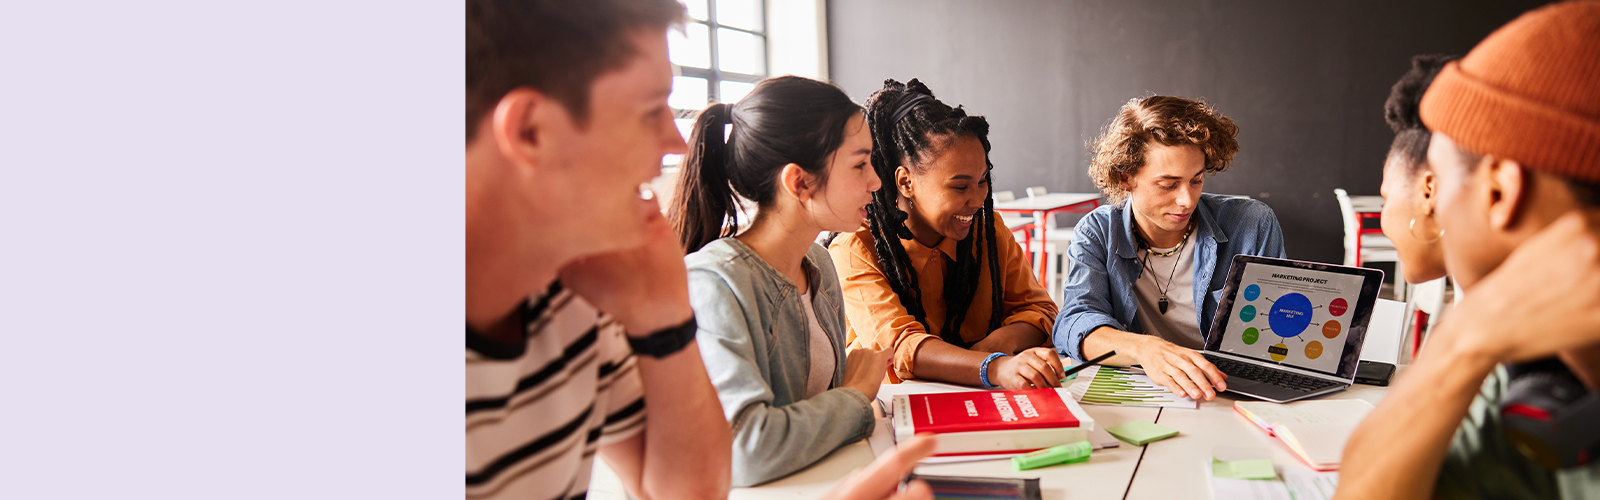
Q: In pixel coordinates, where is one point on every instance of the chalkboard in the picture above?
(1305, 81)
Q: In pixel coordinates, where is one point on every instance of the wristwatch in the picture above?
(666, 341)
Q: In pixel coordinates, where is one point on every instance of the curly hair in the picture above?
(1168, 120)
(1403, 110)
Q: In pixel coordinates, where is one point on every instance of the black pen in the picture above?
(1087, 364)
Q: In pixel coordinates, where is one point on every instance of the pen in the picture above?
(1088, 363)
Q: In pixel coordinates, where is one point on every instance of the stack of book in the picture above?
(986, 422)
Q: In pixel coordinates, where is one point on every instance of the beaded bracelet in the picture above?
(983, 370)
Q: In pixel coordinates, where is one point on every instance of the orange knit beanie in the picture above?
(1529, 92)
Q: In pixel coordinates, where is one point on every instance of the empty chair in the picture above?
(1423, 308)
(1004, 196)
(1037, 190)
(1362, 246)
(1058, 239)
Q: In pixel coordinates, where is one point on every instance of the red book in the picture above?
(993, 421)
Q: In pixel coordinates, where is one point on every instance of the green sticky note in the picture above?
(1139, 432)
(1243, 469)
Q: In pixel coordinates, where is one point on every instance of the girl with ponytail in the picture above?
(770, 312)
(935, 275)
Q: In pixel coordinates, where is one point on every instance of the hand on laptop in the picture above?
(1180, 369)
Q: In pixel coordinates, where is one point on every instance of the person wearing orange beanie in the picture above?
(1504, 400)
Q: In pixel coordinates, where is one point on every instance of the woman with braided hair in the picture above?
(934, 274)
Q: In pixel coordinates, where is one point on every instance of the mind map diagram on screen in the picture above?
(1296, 316)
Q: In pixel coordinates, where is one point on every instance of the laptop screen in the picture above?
(1302, 314)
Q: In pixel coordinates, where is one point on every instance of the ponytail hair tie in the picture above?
(719, 117)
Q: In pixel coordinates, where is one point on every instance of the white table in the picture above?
(1174, 467)
(1170, 468)
(1105, 475)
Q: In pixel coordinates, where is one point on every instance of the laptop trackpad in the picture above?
(1261, 390)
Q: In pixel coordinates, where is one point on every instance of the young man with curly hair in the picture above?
(1146, 269)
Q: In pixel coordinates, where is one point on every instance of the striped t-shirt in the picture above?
(537, 411)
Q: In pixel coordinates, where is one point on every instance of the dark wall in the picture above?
(1305, 81)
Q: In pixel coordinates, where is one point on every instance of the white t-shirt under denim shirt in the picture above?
(1181, 323)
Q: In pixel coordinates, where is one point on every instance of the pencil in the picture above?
(1088, 363)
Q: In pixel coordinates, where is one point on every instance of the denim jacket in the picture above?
(1100, 280)
(755, 341)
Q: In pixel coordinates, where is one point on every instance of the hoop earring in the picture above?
(1412, 228)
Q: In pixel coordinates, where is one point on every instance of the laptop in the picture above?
(1287, 330)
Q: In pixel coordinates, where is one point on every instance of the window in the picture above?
(721, 54)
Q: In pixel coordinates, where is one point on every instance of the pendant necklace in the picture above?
(1161, 304)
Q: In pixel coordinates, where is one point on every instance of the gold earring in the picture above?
(1412, 228)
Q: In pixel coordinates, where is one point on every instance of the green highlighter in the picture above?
(1139, 432)
(1067, 453)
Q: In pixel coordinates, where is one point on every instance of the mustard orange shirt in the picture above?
(877, 319)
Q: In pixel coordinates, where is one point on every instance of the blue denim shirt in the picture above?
(1104, 264)
(755, 341)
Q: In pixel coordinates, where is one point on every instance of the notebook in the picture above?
(1315, 431)
(1245, 477)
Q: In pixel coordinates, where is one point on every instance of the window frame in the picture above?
(714, 76)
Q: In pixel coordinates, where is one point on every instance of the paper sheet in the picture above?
(1113, 386)
(1306, 484)
(1385, 332)
(1298, 482)
(1223, 488)
(882, 438)
(1227, 488)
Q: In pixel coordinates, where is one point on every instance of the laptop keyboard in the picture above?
(1266, 375)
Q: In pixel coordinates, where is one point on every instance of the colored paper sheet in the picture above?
(1139, 432)
(1116, 386)
(1243, 469)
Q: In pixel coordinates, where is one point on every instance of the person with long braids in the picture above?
(934, 275)
(1146, 269)
(767, 299)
